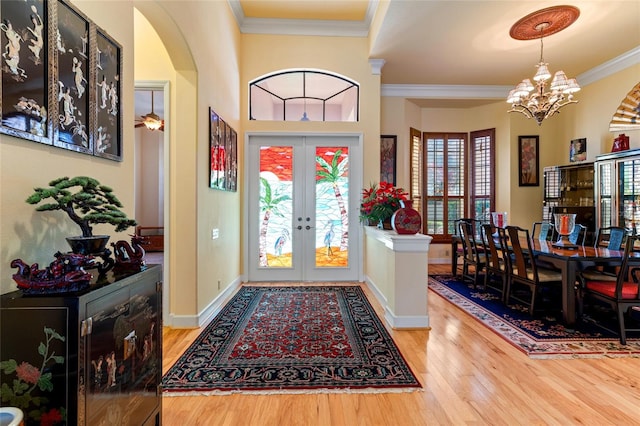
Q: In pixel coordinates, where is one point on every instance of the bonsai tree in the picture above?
(91, 203)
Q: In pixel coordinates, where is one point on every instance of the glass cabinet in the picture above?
(570, 189)
(618, 189)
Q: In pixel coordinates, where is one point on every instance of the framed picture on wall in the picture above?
(108, 115)
(388, 158)
(578, 150)
(214, 147)
(528, 161)
(72, 50)
(26, 95)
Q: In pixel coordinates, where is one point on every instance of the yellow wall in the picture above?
(201, 268)
(33, 236)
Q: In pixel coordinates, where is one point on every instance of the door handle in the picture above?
(308, 227)
(299, 227)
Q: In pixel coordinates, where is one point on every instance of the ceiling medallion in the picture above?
(557, 19)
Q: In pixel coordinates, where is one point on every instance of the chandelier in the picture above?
(532, 99)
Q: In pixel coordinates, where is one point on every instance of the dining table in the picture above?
(570, 261)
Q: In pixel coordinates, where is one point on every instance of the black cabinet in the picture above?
(91, 357)
(570, 189)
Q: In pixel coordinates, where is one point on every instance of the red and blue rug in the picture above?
(540, 336)
(292, 340)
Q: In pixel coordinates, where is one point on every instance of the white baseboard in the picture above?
(397, 322)
(208, 313)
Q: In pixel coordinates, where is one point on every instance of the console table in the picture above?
(396, 270)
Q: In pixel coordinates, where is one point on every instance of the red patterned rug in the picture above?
(292, 340)
(540, 336)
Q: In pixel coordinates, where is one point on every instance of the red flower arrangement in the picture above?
(379, 202)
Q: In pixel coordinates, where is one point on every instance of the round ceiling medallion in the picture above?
(551, 20)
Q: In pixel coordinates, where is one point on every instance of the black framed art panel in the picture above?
(61, 78)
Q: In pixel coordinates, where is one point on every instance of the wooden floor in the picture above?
(470, 377)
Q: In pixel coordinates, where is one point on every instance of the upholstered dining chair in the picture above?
(578, 235)
(498, 265)
(526, 271)
(474, 253)
(612, 238)
(621, 294)
(542, 231)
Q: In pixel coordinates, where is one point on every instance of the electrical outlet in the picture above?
(215, 233)
(218, 284)
(446, 252)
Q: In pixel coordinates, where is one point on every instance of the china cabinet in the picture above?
(570, 189)
(86, 358)
(618, 189)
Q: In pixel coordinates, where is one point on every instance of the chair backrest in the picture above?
(544, 231)
(578, 234)
(522, 259)
(493, 255)
(630, 267)
(476, 226)
(470, 242)
(611, 237)
(498, 248)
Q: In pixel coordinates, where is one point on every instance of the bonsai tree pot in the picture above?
(95, 244)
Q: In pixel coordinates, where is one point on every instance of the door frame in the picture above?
(356, 181)
(165, 87)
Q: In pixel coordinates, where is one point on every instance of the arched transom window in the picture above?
(303, 95)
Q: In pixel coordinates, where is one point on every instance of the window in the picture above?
(447, 192)
(482, 186)
(303, 95)
(444, 181)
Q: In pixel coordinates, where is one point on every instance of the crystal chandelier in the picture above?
(534, 101)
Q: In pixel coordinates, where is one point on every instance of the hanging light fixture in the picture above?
(532, 99)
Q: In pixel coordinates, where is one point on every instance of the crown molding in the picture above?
(376, 66)
(443, 91)
(434, 91)
(308, 27)
(627, 59)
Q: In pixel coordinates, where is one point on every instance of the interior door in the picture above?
(302, 215)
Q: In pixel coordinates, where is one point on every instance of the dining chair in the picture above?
(578, 235)
(497, 261)
(525, 269)
(457, 255)
(474, 253)
(621, 294)
(611, 237)
(542, 231)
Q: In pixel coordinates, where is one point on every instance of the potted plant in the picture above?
(379, 202)
(87, 203)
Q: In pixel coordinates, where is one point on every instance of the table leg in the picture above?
(454, 257)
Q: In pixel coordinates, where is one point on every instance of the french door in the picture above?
(302, 212)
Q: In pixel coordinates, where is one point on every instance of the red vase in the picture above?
(406, 220)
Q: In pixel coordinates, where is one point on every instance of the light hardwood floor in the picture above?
(470, 377)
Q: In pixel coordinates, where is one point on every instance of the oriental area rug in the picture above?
(540, 336)
(295, 339)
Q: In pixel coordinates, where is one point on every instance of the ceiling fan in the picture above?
(151, 121)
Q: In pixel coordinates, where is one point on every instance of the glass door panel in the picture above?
(331, 201)
(276, 206)
(300, 208)
(605, 194)
(629, 199)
